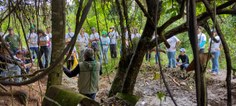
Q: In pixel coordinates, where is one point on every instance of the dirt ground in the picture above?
(146, 88)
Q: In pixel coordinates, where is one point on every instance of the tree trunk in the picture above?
(58, 40)
(199, 73)
(141, 49)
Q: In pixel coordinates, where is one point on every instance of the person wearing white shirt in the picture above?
(135, 34)
(94, 39)
(113, 43)
(69, 35)
(44, 50)
(49, 34)
(173, 42)
(83, 41)
(201, 40)
(73, 55)
(105, 44)
(32, 39)
(215, 51)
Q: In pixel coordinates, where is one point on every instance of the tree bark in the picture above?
(58, 40)
(141, 49)
(199, 73)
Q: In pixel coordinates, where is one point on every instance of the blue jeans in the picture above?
(215, 61)
(34, 52)
(105, 54)
(172, 60)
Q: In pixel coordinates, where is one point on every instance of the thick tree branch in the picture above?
(173, 19)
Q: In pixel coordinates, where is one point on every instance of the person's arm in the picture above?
(71, 73)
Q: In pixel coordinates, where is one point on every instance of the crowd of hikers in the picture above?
(90, 52)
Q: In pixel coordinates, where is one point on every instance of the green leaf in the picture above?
(156, 76)
(160, 95)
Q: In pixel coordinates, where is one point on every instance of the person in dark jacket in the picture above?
(184, 60)
(88, 71)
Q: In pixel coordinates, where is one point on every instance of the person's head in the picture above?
(32, 30)
(199, 29)
(19, 54)
(48, 29)
(104, 33)
(93, 29)
(135, 30)
(214, 33)
(11, 31)
(82, 30)
(182, 51)
(69, 29)
(89, 54)
(125, 28)
(40, 32)
(112, 28)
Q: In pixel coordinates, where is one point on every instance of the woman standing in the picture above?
(215, 51)
(43, 44)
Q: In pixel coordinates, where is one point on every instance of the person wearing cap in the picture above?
(201, 40)
(174, 43)
(44, 49)
(32, 39)
(113, 43)
(105, 44)
(13, 40)
(8, 66)
(88, 71)
(94, 39)
(184, 59)
(83, 41)
(215, 51)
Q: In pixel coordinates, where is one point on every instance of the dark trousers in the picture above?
(70, 64)
(34, 52)
(92, 96)
(43, 50)
(113, 50)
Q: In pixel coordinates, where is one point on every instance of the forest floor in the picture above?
(148, 85)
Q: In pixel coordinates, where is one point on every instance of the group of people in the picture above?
(214, 48)
(93, 49)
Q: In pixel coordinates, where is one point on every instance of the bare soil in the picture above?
(146, 88)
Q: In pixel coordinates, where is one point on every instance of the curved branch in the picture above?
(173, 19)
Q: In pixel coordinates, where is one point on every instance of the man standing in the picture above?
(32, 39)
(73, 55)
(201, 40)
(88, 71)
(113, 43)
(13, 40)
(173, 42)
(94, 39)
(215, 51)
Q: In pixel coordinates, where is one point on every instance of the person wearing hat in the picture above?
(201, 40)
(105, 44)
(88, 71)
(44, 49)
(113, 42)
(32, 39)
(215, 51)
(13, 40)
(94, 39)
(184, 59)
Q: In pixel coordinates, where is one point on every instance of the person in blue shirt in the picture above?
(201, 40)
(105, 44)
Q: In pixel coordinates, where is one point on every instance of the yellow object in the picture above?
(75, 62)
